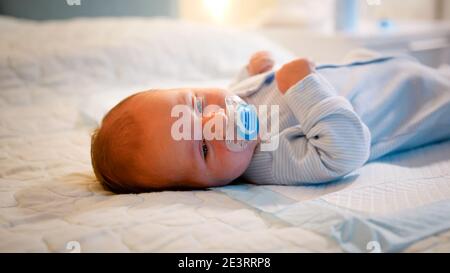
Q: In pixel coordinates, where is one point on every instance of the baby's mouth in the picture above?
(242, 124)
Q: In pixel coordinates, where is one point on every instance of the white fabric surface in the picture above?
(49, 196)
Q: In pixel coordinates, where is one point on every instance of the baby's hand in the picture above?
(260, 62)
(293, 72)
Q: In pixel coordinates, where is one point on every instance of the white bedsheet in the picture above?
(49, 196)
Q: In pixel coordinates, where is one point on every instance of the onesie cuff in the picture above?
(308, 92)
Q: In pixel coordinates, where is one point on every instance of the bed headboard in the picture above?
(62, 9)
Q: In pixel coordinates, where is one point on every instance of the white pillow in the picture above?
(123, 50)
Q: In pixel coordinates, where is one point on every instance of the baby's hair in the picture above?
(104, 158)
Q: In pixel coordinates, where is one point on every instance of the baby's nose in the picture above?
(214, 125)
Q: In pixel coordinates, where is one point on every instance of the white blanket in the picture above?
(50, 200)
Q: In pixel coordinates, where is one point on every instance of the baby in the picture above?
(331, 119)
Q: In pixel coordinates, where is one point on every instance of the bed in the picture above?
(57, 78)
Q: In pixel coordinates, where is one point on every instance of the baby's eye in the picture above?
(199, 105)
(204, 148)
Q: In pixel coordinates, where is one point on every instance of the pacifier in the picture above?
(242, 123)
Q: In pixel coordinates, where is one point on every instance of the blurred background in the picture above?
(228, 12)
(322, 30)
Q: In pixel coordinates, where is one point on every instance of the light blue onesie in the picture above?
(338, 118)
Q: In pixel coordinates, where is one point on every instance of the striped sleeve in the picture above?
(330, 142)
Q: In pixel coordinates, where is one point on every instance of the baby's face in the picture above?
(166, 162)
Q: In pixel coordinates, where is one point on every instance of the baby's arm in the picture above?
(259, 62)
(331, 140)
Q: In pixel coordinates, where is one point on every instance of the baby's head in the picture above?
(134, 151)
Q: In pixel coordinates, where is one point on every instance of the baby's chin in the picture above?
(242, 160)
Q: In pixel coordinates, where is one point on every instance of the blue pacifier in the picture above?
(242, 125)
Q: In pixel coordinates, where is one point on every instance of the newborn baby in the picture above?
(329, 120)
